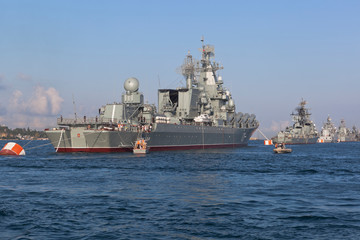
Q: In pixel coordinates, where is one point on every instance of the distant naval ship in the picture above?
(303, 130)
(347, 135)
(200, 115)
(328, 132)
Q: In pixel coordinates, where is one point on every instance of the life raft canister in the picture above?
(12, 148)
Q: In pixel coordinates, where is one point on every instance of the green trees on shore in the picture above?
(20, 133)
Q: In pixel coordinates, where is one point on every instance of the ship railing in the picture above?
(105, 123)
(86, 121)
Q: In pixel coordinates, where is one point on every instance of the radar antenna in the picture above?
(188, 70)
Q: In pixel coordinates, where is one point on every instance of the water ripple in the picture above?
(245, 193)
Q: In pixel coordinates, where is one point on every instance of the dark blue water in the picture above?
(246, 193)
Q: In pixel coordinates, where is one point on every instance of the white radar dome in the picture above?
(131, 84)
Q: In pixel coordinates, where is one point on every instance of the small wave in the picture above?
(4, 212)
(309, 218)
(346, 171)
(350, 199)
(221, 214)
(307, 171)
(263, 171)
(119, 209)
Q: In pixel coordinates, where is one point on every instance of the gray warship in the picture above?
(303, 130)
(328, 132)
(347, 135)
(199, 115)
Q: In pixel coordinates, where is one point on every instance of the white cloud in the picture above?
(278, 126)
(274, 128)
(16, 103)
(24, 77)
(2, 85)
(38, 103)
(17, 120)
(40, 122)
(36, 111)
(42, 102)
(55, 100)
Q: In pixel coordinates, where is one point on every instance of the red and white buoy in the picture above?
(12, 148)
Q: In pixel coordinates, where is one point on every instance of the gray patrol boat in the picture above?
(303, 130)
(198, 116)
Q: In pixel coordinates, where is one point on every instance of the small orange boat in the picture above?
(140, 147)
(280, 148)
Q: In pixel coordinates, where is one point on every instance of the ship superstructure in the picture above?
(303, 130)
(347, 135)
(328, 132)
(198, 116)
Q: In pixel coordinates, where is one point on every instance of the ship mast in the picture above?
(188, 70)
(302, 116)
(207, 67)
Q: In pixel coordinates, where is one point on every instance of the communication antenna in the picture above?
(188, 70)
(74, 106)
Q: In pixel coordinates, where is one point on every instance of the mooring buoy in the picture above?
(12, 148)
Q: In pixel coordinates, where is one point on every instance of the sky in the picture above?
(274, 53)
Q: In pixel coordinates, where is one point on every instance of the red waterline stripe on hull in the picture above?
(300, 143)
(169, 148)
(94, 150)
(152, 148)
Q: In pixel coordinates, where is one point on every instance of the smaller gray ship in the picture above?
(303, 131)
(347, 135)
(355, 133)
(328, 132)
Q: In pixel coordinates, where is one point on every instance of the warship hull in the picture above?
(325, 140)
(295, 141)
(164, 137)
(347, 139)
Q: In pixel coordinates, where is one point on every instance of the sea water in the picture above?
(242, 193)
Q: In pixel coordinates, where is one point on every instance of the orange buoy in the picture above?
(12, 148)
(268, 142)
